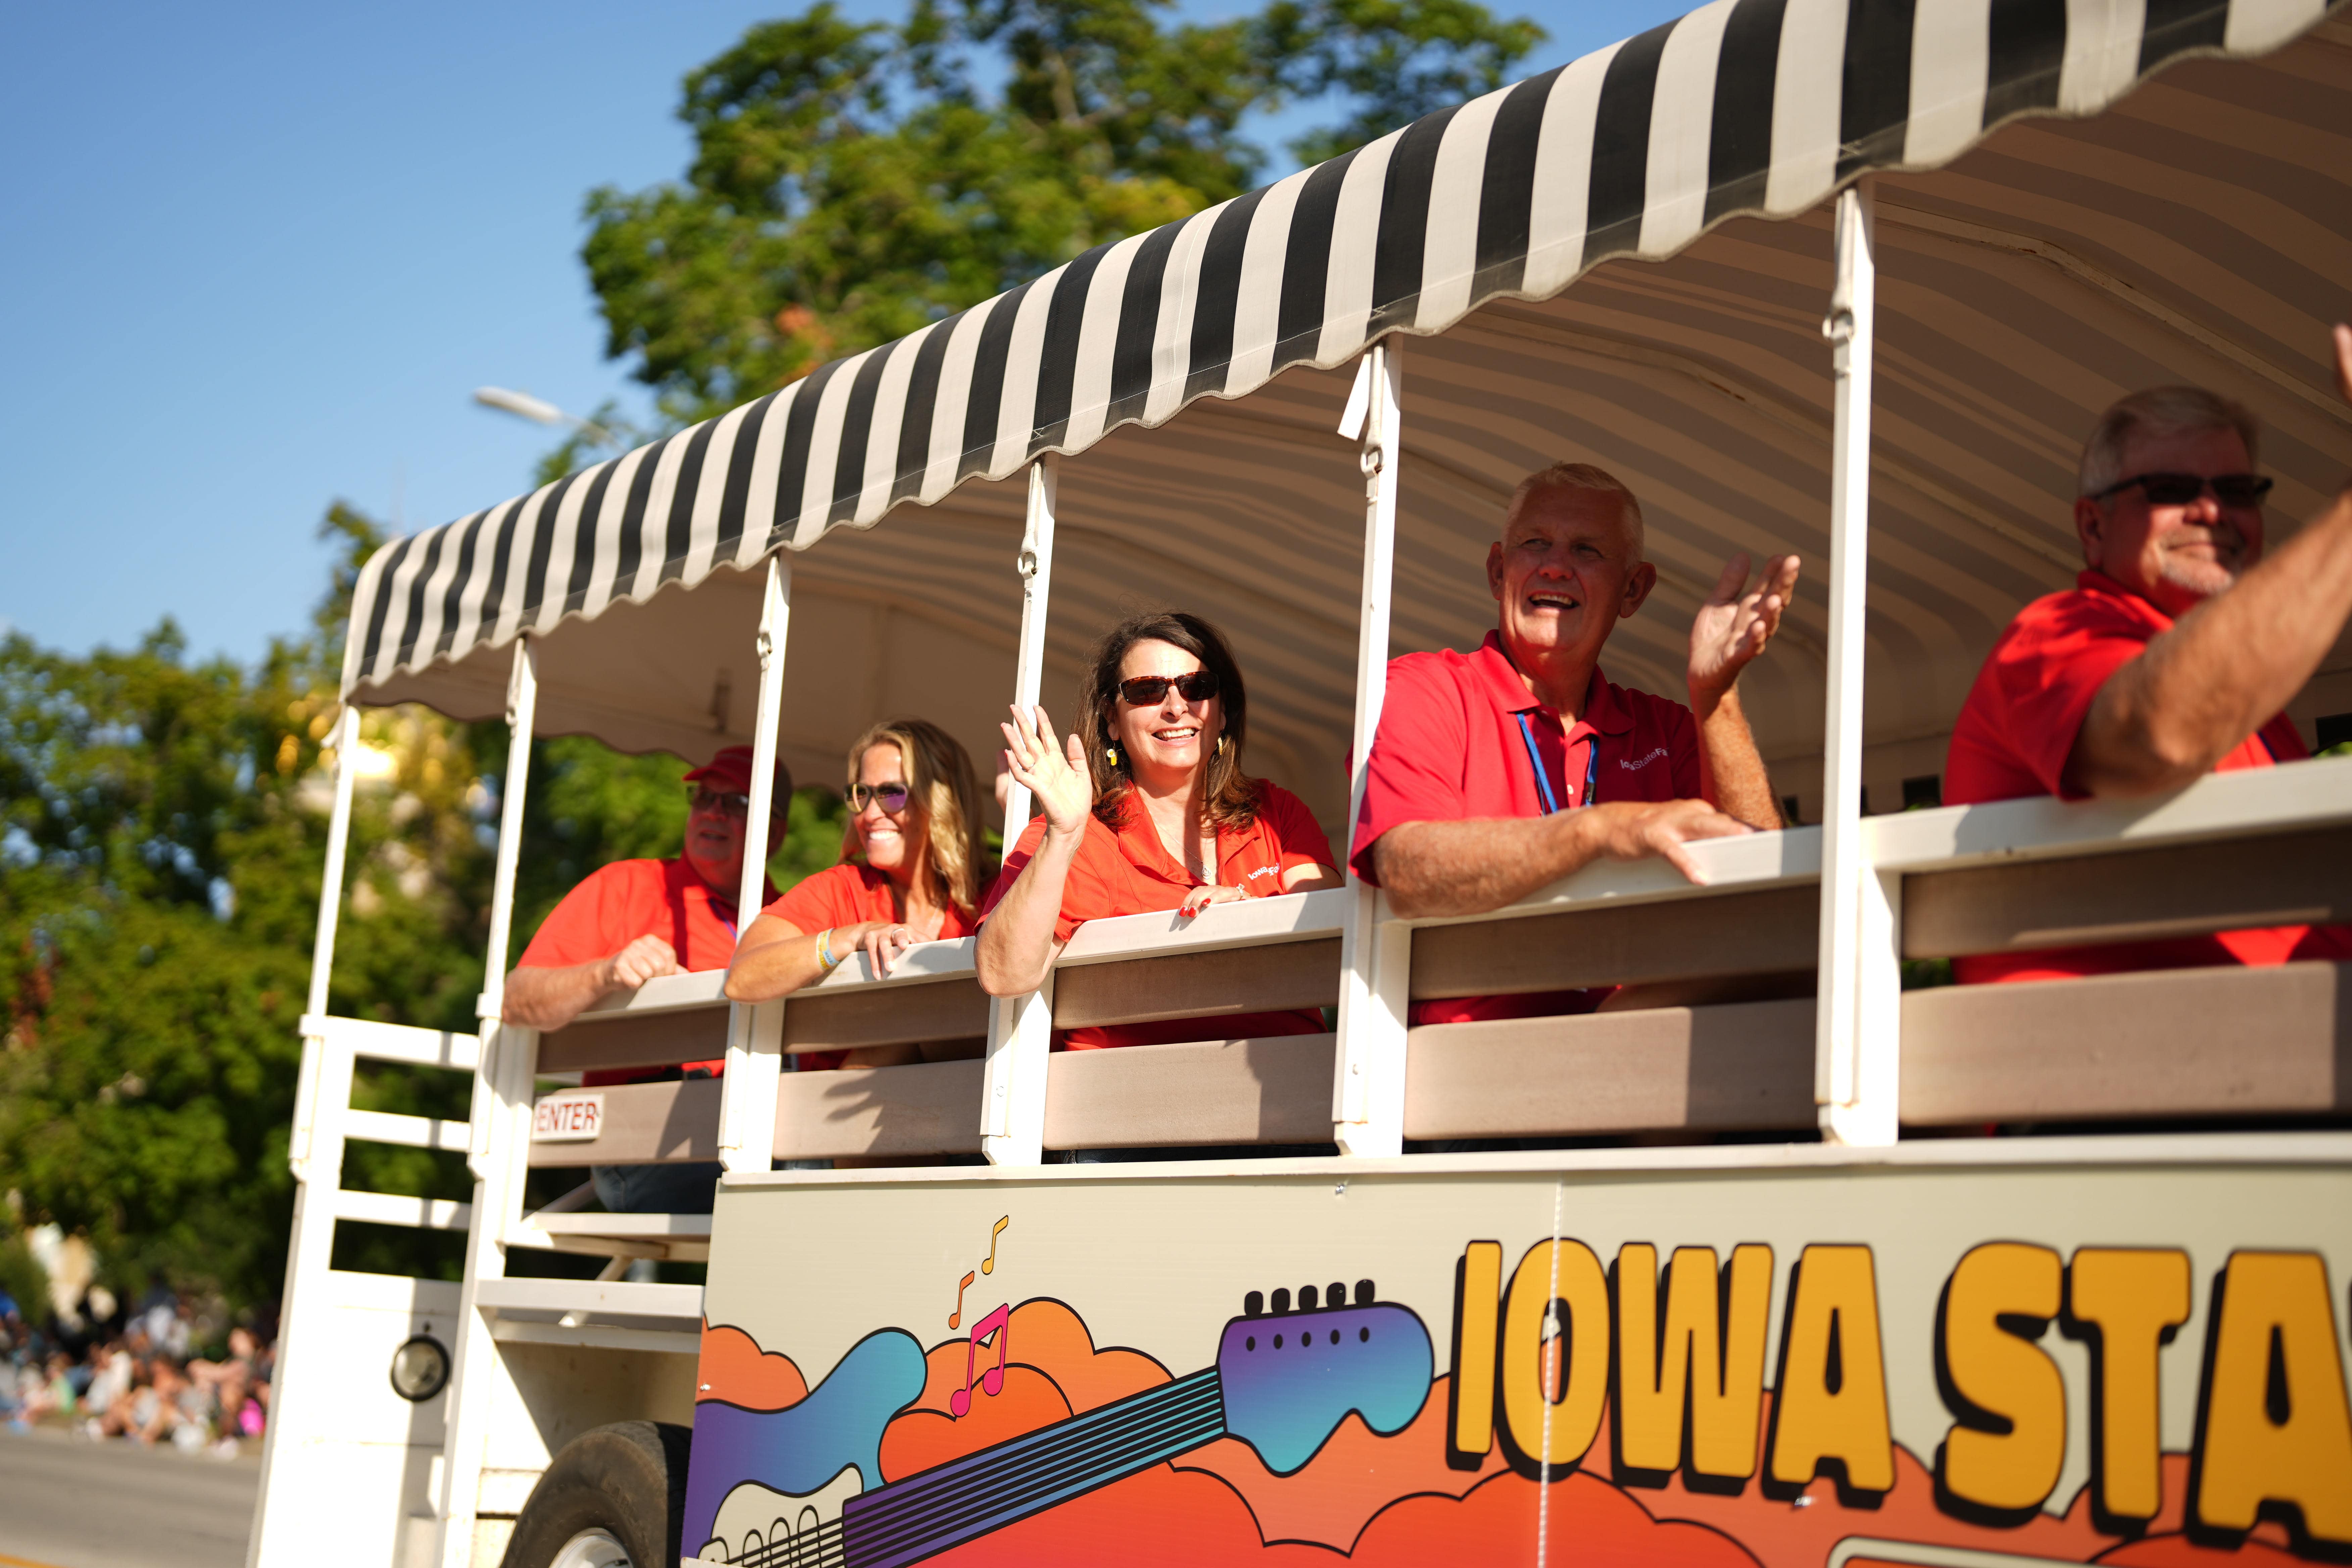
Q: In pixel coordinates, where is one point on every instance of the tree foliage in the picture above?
(854, 181)
(163, 841)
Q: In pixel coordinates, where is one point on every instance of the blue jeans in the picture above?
(656, 1189)
(670, 1189)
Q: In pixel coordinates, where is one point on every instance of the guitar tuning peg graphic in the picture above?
(1253, 1304)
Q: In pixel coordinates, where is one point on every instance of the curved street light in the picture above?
(539, 411)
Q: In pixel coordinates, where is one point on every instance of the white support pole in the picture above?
(1856, 1044)
(342, 738)
(314, 1147)
(1368, 1079)
(1021, 1029)
(498, 1145)
(747, 1106)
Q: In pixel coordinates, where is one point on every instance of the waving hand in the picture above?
(1055, 776)
(1735, 624)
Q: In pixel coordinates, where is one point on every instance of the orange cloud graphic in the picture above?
(1052, 1372)
(736, 1370)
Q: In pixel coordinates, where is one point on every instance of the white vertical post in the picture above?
(747, 1106)
(497, 1143)
(325, 1078)
(1856, 1046)
(343, 737)
(1021, 1029)
(1368, 1081)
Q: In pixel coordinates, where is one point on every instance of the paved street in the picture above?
(70, 1504)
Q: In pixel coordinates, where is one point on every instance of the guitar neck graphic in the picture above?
(925, 1514)
(911, 1519)
(1282, 1382)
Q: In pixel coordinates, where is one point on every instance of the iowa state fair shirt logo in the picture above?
(1629, 764)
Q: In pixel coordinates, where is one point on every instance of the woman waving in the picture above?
(1146, 808)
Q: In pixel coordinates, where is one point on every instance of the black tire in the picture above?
(627, 1479)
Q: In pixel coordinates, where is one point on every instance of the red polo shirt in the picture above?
(1450, 749)
(847, 894)
(2017, 729)
(618, 903)
(1126, 871)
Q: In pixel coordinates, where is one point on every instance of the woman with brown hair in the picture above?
(1146, 808)
(912, 870)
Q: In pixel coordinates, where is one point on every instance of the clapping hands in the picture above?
(1735, 624)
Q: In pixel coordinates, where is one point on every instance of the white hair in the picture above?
(2160, 412)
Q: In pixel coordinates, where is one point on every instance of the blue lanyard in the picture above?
(1543, 780)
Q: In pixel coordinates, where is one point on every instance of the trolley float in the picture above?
(1790, 1322)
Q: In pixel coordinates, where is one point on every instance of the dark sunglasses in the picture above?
(700, 798)
(1147, 689)
(2181, 489)
(893, 796)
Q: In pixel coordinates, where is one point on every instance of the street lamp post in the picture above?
(539, 411)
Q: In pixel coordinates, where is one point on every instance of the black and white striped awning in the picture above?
(1761, 106)
(1625, 261)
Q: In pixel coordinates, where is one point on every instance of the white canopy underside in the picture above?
(2199, 230)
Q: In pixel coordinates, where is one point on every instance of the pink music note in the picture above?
(992, 1381)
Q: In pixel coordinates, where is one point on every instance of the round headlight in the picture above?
(420, 1368)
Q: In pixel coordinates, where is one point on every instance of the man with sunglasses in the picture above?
(633, 921)
(2171, 657)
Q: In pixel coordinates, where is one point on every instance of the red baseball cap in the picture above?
(731, 771)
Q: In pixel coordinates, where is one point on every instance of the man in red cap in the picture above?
(635, 920)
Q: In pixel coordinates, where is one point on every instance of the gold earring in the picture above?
(1110, 756)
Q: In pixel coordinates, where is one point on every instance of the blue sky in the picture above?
(258, 257)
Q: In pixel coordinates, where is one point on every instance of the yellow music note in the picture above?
(989, 1267)
(962, 1285)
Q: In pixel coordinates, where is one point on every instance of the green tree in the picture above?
(854, 181)
(162, 833)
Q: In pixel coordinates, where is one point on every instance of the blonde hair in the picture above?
(2160, 411)
(941, 781)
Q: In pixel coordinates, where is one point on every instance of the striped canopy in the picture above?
(1624, 260)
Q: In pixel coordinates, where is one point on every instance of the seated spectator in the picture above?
(912, 869)
(633, 921)
(2170, 658)
(1495, 773)
(1145, 808)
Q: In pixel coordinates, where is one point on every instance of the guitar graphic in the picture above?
(786, 1489)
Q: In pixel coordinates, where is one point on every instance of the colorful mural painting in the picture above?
(1650, 1401)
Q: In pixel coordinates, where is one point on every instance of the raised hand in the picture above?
(1735, 624)
(1055, 774)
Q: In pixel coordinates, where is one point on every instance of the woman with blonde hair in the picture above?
(912, 869)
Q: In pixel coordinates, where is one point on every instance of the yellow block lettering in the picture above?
(1478, 1285)
(1719, 1363)
(1551, 1413)
(1832, 1401)
(2125, 1300)
(1994, 1378)
(2275, 1426)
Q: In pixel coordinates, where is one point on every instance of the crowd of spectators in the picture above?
(167, 1371)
